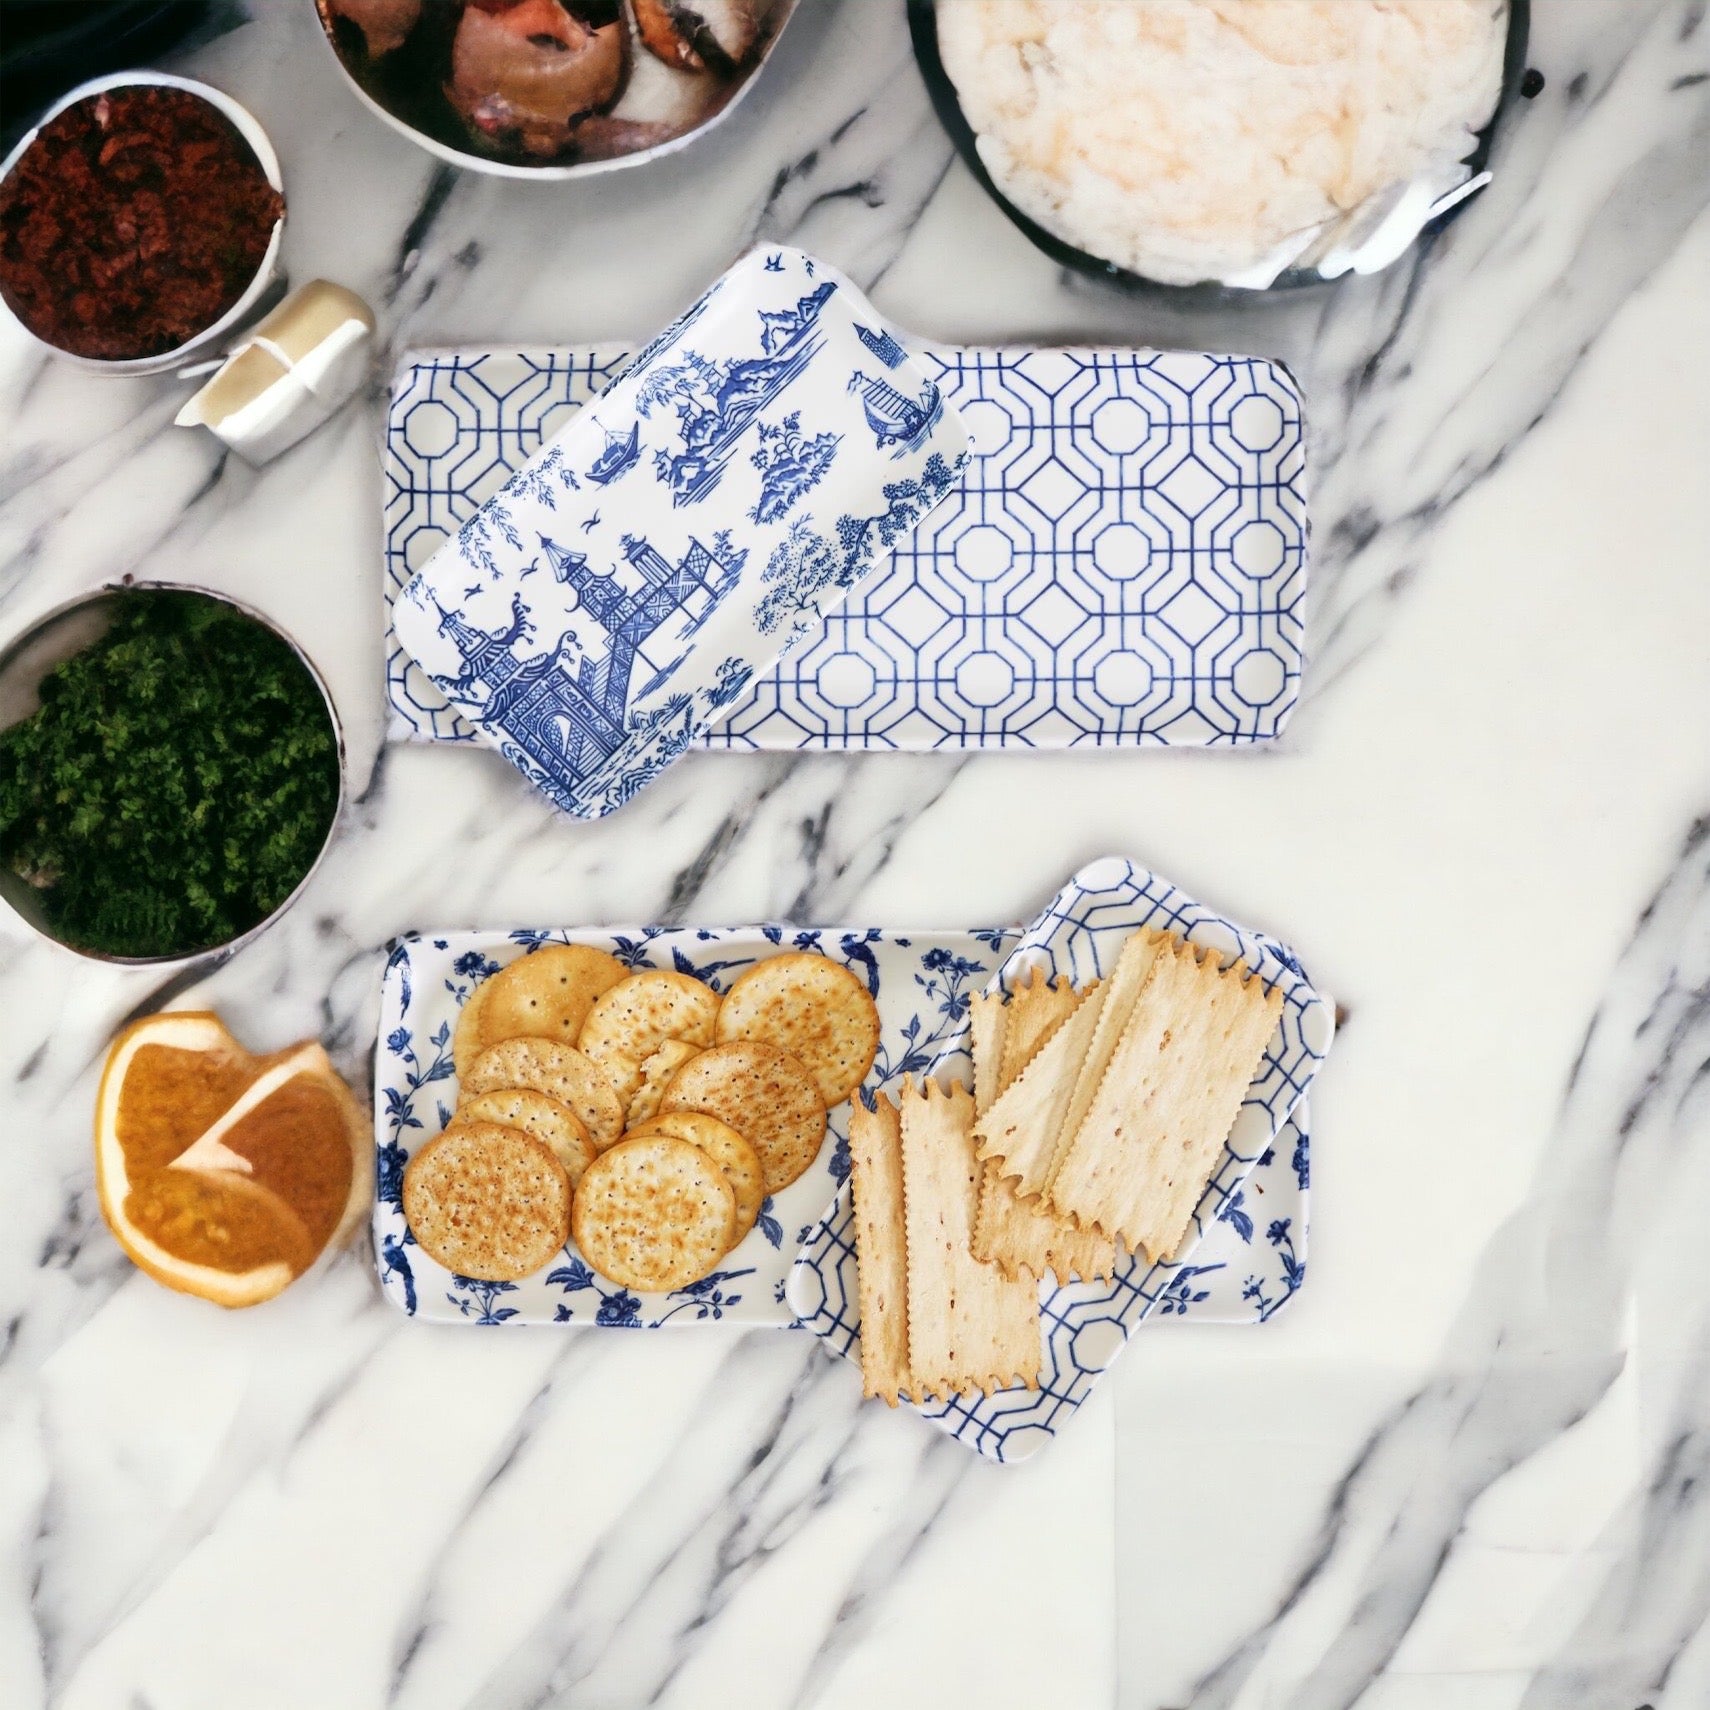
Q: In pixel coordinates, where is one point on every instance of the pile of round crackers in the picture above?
(639, 1112)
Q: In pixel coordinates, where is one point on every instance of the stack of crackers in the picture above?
(639, 1112)
(1097, 1118)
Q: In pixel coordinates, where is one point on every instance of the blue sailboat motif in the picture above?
(883, 345)
(619, 457)
(716, 402)
(569, 708)
(895, 418)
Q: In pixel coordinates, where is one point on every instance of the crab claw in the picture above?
(694, 35)
(530, 71)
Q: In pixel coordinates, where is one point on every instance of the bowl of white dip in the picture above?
(1224, 146)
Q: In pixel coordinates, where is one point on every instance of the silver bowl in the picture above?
(447, 149)
(27, 658)
(267, 276)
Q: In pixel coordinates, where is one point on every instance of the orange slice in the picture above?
(221, 1173)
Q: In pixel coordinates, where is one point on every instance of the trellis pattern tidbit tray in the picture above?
(1124, 563)
(922, 982)
(1088, 1324)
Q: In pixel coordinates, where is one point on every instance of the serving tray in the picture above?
(1087, 1325)
(922, 982)
(1124, 564)
(685, 533)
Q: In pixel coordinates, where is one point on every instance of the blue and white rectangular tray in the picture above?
(686, 533)
(921, 981)
(1249, 1255)
(1124, 564)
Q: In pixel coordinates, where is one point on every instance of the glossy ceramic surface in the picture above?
(1087, 1325)
(1124, 562)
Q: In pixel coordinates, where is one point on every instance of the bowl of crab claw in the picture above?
(552, 89)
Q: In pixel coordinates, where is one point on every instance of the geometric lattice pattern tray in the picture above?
(1087, 1325)
(1124, 563)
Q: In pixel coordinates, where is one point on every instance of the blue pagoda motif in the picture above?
(716, 402)
(568, 709)
(883, 345)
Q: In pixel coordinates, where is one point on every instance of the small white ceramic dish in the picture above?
(289, 373)
(267, 275)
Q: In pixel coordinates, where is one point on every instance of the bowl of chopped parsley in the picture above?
(171, 771)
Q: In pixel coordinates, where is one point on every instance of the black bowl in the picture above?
(923, 27)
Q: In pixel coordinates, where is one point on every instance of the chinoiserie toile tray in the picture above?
(922, 982)
(1253, 1205)
(685, 533)
(1124, 563)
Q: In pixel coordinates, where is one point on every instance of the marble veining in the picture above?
(1493, 1396)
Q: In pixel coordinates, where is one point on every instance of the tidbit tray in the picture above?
(1124, 564)
(921, 981)
(1087, 1325)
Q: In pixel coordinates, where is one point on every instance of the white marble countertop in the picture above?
(1467, 1470)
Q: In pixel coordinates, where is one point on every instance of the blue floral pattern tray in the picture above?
(922, 982)
(1124, 564)
(1087, 1325)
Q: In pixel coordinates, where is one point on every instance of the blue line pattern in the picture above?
(1225, 1274)
(1124, 563)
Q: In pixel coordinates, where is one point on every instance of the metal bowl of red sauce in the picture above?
(552, 89)
(140, 223)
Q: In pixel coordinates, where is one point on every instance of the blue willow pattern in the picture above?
(564, 619)
(923, 982)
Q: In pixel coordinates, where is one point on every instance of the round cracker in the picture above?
(739, 1161)
(656, 1075)
(487, 1202)
(812, 1007)
(631, 1021)
(765, 1095)
(547, 993)
(559, 1071)
(544, 1119)
(654, 1214)
(466, 1040)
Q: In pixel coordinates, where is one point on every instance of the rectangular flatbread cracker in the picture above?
(1020, 1129)
(1135, 962)
(1023, 1237)
(987, 1025)
(969, 1326)
(1156, 1127)
(881, 1246)
(1037, 1008)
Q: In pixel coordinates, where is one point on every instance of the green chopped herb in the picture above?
(176, 783)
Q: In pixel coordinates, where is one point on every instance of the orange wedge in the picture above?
(220, 1173)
